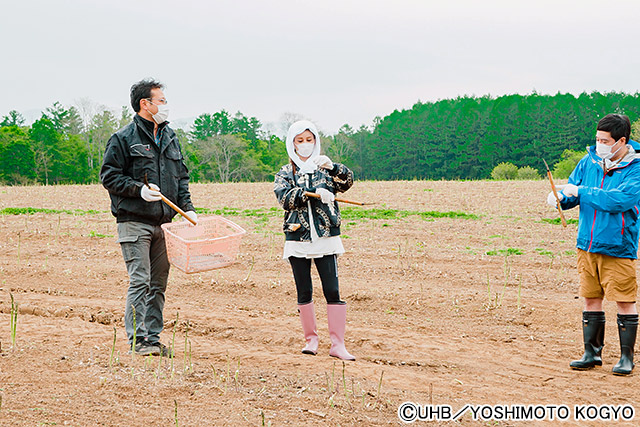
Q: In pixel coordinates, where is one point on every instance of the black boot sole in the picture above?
(620, 374)
(585, 368)
(623, 373)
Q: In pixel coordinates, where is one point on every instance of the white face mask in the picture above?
(604, 151)
(305, 149)
(162, 115)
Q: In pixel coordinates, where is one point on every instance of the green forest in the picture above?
(462, 138)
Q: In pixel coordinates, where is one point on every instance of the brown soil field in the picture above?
(479, 309)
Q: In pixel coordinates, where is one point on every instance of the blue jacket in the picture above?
(608, 204)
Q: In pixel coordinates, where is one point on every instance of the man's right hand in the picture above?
(150, 194)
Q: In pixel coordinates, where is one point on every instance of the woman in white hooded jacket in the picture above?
(312, 230)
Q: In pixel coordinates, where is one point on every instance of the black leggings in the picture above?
(327, 269)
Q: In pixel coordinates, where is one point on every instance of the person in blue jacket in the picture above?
(606, 185)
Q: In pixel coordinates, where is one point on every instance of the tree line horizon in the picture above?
(466, 137)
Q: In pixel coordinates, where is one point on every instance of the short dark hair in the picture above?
(618, 125)
(142, 90)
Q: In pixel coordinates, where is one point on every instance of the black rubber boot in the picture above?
(627, 329)
(593, 335)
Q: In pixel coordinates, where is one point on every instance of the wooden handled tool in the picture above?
(317, 196)
(555, 193)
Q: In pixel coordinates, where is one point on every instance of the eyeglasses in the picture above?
(161, 101)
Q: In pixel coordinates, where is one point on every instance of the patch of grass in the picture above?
(556, 221)
(375, 213)
(227, 211)
(93, 233)
(261, 216)
(505, 252)
(350, 213)
(450, 214)
(544, 252)
(31, 211)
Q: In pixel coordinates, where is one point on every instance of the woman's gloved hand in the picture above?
(326, 196)
(323, 162)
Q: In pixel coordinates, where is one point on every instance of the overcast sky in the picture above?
(331, 61)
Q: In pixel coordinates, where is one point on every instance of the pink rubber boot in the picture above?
(337, 317)
(308, 320)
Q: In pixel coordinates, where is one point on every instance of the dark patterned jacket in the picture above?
(289, 190)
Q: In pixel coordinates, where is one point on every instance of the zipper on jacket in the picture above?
(311, 220)
(622, 232)
(595, 211)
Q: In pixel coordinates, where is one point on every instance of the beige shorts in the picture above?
(606, 276)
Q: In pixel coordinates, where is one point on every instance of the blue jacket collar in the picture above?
(633, 155)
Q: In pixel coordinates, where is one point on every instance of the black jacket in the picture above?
(289, 189)
(131, 152)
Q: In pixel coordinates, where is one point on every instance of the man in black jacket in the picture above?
(145, 147)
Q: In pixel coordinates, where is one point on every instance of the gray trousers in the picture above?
(145, 256)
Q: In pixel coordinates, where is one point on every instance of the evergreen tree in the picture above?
(17, 163)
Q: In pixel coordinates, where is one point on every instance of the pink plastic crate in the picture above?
(211, 244)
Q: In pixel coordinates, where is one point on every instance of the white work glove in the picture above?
(192, 216)
(551, 199)
(323, 162)
(326, 196)
(568, 190)
(150, 194)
